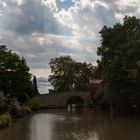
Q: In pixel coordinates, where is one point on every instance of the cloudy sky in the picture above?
(40, 30)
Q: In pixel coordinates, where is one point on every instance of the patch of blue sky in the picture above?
(64, 4)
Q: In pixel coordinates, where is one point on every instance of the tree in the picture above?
(14, 75)
(120, 63)
(35, 89)
(69, 75)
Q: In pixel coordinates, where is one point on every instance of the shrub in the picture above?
(36, 104)
(5, 120)
(2, 105)
(26, 109)
(14, 108)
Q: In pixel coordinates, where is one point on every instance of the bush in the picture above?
(5, 120)
(26, 109)
(36, 104)
(15, 109)
(3, 106)
(24, 98)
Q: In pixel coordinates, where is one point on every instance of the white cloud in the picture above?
(51, 4)
(41, 72)
(128, 7)
(37, 30)
(19, 2)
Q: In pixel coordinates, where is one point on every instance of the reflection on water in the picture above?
(41, 127)
(60, 127)
(75, 104)
(18, 131)
(75, 108)
(71, 126)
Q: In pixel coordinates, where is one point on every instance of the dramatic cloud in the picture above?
(43, 29)
(31, 16)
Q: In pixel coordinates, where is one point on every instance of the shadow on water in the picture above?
(60, 125)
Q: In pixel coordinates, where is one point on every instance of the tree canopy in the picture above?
(120, 63)
(14, 75)
(69, 75)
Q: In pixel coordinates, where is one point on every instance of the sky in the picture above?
(40, 30)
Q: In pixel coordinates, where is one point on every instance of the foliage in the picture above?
(5, 120)
(120, 64)
(14, 74)
(96, 95)
(35, 89)
(15, 108)
(3, 105)
(69, 75)
(26, 109)
(36, 104)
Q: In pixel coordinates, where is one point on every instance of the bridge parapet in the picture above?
(60, 100)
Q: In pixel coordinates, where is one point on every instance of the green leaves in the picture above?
(14, 74)
(69, 75)
(120, 61)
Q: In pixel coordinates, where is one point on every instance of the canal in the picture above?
(59, 125)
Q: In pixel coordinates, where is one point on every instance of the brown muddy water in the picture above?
(59, 125)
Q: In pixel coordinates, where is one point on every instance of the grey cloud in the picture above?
(42, 81)
(108, 1)
(86, 57)
(124, 9)
(106, 15)
(127, 9)
(37, 55)
(22, 27)
(98, 16)
(31, 16)
(93, 20)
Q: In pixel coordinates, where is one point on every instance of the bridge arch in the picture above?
(60, 100)
(75, 100)
(75, 103)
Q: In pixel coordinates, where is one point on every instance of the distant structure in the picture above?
(72, 99)
(61, 100)
(94, 86)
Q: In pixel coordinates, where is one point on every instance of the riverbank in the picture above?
(17, 110)
(5, 120)
(61, 125)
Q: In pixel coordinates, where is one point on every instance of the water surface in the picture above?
(56, 125)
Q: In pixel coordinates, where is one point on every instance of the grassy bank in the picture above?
(5, 120)
(16, 109)
(36, 104)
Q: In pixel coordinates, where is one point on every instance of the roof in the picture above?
(95, 81)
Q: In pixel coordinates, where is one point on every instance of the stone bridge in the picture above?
(60, 100)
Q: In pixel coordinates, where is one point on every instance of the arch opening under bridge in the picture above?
(75, 103)
(61, 100)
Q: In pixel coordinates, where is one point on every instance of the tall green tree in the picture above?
(14, 75)
(35, 89)
(120, 63)
(69, 75)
